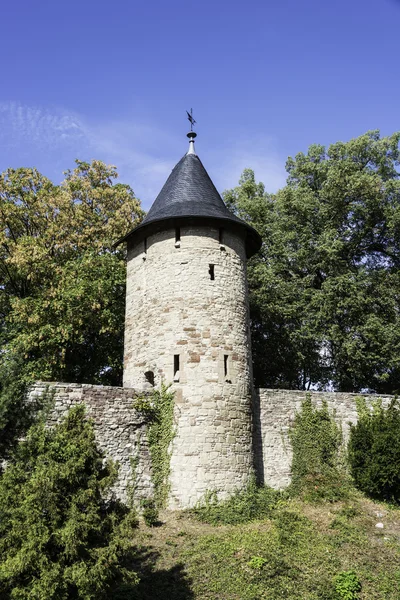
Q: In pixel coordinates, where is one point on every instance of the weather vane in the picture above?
(190, 118)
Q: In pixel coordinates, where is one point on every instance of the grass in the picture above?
(297, 551)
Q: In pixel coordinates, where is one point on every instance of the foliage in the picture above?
(347, 585)
(324, 290)
(316, 440)
(257, 562)
(242, 506)
(374, 451)
(150, 512)
(159, 411)
(15, 415)
(59, 538)
(62, 281)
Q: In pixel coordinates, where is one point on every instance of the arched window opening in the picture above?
(149, 377)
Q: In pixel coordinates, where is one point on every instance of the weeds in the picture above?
(243, 506)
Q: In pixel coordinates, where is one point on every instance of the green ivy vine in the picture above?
(318, 472)
(158, 408)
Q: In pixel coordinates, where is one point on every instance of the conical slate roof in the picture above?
(188, 191)
(187, 195)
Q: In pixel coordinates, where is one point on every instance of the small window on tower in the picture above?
(145, 245)
(177, 237)
(226, 369)
(211, 272)
(176, 367)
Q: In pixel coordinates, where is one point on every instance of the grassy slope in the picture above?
(295, 554)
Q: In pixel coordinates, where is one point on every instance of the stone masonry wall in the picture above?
(274, 412)
(120, 431)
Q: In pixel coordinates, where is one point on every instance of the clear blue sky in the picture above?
(112, 80)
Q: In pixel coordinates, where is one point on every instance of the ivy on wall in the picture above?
(158, 408)
(317, 467)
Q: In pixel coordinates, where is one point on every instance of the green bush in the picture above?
(59, 537)
(254, 502)
(374, 451)
(317, 471)
(347, 585)
(150, 512)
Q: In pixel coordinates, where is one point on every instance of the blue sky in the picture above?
(112, 80)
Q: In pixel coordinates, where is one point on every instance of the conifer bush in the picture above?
(374, 451)
(60, 538)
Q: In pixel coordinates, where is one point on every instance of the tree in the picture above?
(325, 289)
(62, 281)
(59, 538)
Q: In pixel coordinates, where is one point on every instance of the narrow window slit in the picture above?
(177, 237)
(211, 272)
(145, 245)
(176, 367)
(226, 369)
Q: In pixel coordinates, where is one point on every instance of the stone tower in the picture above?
(187, 322)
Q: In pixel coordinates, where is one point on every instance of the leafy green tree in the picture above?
(59, 538)
(325, 288)
(62, 282)
(374, 451)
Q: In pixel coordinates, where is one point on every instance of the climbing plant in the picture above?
(317, 470)
(159, 411)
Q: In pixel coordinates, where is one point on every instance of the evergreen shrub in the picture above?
(59, 537)
(374, 451)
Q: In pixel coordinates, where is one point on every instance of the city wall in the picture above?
(121, 431)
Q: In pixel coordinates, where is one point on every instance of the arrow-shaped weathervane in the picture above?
(190, 118)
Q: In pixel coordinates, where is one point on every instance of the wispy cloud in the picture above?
(144, 153)
(258, 154)
(33, 126)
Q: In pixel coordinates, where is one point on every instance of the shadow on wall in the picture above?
(258, 456)
(155, 584)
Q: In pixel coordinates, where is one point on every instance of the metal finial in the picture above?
(191, 118)
(191, 135)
